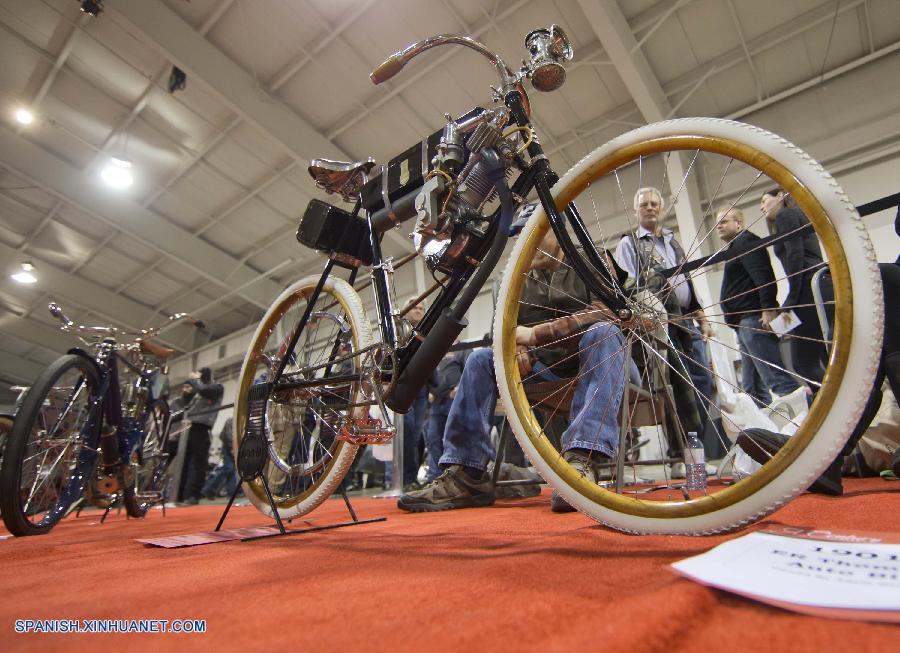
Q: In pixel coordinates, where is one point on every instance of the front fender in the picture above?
(77, 351)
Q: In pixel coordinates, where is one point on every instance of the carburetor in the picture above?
(449, 206)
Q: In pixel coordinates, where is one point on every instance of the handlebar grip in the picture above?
(150, 347)
(390, 67)
(56, 312)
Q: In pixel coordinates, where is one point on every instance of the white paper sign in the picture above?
(854, 577)
(787, 321)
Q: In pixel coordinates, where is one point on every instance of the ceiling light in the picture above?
(24, 116)
(25, 275)
(117, 173)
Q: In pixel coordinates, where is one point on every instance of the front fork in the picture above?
(587, 263)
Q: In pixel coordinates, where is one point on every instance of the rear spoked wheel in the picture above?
(317, 395)
(144, 478)
(724, 165)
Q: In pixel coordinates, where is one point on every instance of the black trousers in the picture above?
(890, 353)
(809, 354)
(196, 462)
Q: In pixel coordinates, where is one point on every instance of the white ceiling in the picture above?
(208, 226)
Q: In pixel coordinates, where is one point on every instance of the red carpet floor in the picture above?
(510, 577)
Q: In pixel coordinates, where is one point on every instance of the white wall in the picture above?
(871, 183)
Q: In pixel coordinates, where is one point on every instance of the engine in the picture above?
(450, 206)
(441, 183)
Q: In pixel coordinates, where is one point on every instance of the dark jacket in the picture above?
(800, 252)
(559, 306)
(748, 284)
(201, 410)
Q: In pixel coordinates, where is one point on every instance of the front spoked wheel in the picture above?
(720, 165)
(144, 478)
(318, 395)
(51, 448)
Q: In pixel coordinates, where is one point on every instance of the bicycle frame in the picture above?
(117, 433)
(435, 333)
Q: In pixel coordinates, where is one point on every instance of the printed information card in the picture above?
(814, 571)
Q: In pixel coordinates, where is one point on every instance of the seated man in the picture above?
(562, 334)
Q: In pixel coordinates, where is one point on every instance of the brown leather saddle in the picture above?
(346, 178)
(162, 353)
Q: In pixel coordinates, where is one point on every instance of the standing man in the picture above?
(644, 254)
(748, 299)
(206, 397)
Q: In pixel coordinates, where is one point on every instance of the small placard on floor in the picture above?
(209, 537)
(813, 571)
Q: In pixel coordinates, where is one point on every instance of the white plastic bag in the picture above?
(744, 414)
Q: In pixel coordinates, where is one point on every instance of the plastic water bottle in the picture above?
(694, 463)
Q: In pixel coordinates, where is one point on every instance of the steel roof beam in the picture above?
(90, 296)
(64, 180)
(608, 22)
(174, 38)
(15, 369)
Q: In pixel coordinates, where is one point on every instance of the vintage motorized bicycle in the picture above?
(93, 425)
(316, 385)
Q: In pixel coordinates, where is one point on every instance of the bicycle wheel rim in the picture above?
(55, 464)
(333, 297)
(610, 158)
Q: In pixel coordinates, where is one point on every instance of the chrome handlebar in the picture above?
(549, 49)
(395, 63)
(144, 334)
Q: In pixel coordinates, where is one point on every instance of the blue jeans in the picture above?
(698, 368)
(434, 434)
(594, 416)
(760, 354)
(413, 426)
(225, 474)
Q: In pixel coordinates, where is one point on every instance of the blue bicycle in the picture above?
(93, 424)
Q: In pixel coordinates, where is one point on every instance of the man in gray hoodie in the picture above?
(201, 402)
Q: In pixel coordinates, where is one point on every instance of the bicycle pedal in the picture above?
(366, 430)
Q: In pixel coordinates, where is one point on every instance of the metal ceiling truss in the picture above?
(176, 40)
(67, 182)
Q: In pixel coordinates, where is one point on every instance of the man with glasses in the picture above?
(748, 303)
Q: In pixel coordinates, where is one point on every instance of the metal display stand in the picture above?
(251, 460)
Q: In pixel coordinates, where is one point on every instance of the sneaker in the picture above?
(586, 467)
(761, 445)
(452, 489)
(412, 487)
(509, 472)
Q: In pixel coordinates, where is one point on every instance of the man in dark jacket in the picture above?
(748, 299)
